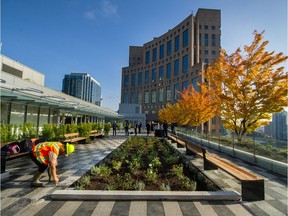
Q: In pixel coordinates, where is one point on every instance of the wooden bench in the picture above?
(73, 138)
(252, 186)
(94, 134)
(178, 140)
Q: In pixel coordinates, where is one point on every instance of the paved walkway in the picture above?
(18, 198)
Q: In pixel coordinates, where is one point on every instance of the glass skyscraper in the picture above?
(82, 86)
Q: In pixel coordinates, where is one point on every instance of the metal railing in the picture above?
(262, 146)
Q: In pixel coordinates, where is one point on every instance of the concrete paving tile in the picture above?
(277, 204)
(189, 209)
(237, 209)
(138, 208)
(68, 208)
(269, 209)
(120, 208)
(15, 207)
(220, 208)
(280, 190)
(50, 209)
(172, 208)
(86, 208)
(155, 208)
(28, 210)
(7, 201)
(103, 208)
(205, 208)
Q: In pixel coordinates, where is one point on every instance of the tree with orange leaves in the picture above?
(193, 108)
(196, 107)
(248, 86)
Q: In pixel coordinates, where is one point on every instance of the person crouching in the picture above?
(44, 154)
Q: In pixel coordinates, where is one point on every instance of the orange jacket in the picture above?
(41, 151)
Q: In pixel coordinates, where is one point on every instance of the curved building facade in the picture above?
(168, 64)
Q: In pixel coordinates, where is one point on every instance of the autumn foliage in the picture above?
(193, 108)
(248, 86)
(245, 88)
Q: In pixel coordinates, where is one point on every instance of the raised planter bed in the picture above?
(142, 167)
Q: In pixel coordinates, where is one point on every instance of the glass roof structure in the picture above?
(17, 90)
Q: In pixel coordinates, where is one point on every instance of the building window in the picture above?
(213, 52)
(154, 75)
(133, 79)
(176, 45)
(140, 78)
(154, 55)
(147, 60)
(185, 64)
(195, 83)
(184, 85)
(176, 91)
(219, 40)
(153, 96)
(161, 95)
(146, 97)
(213, 28)
(168, 93)
(132, 98)
(139, 98)
(206, 40)
(185, 38)
(161, 54)
(126, 80)
(146, 77)
(206, 52)
(206, 60)
(168, 71)
(125, 97)
(169, 47)
(161, 72)
(176, 67)
(206, 26)
(213, 40)
(200, 40)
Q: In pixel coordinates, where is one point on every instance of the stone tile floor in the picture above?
(18, 198)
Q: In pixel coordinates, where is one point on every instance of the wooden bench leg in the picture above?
(253, 190)
(208, 165)
(188, 151)
(179, 145)
(3, 164)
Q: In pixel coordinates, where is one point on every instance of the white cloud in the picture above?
(90, 15)
(109, 9)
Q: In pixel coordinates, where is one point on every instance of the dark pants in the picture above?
(114, 132)
(41, 167)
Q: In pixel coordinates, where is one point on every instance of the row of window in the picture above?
(206, 40)
(206, 27)
(160, 55)
(153, 94)
(161, 71)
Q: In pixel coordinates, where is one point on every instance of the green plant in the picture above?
(177, 170)
(101, 170)
(188, 184)
(164, 187)
(139, 186)
(84, 130)
(107, 127)
(85, 180)
(124, 182)
(48, 132)
(151, 175)
(72, 128)
(116, 164)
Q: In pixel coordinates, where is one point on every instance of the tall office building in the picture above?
(82, 86)
(277, 128)
(168, 64)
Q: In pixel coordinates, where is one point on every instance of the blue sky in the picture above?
(57, 37)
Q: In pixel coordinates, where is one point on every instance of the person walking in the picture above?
(165, 128)
(139, 127)
(148, 127)
(114, 126)
(45, 154)
(135, 128)
(127, 128)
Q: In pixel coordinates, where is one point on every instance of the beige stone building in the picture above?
(168, 64)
